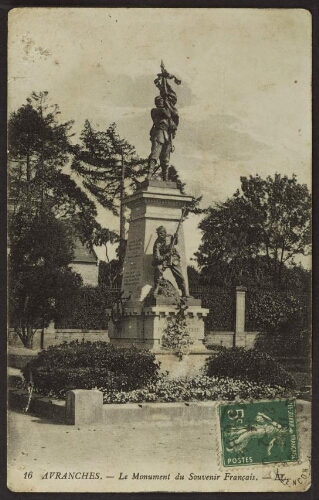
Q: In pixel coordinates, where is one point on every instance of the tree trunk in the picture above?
(26, 334)
(28, 181)
(29, 339)
(20, 331)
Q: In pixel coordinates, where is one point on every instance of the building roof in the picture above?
(83, 254)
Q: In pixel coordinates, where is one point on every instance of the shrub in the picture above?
(277, 311)
(86, 365)
(286, 344)
(249, 365)
(221, 304)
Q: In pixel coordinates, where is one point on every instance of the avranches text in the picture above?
(227, 476)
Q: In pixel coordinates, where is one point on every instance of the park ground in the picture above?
(112, 458)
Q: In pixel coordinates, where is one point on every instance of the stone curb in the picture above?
(56, 410)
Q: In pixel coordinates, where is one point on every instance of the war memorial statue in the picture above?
(155, 283)
(165, 122)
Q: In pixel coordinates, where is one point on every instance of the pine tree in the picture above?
(39, 151)
(107, 165)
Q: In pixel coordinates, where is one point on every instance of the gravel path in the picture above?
(162, 448)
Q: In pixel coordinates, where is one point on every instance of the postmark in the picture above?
(255, 433)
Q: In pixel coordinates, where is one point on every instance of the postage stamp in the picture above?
(258, 432)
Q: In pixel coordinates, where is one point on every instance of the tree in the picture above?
(105, 161)
(40, 279)
(40, 190)
(264, 226)
(110, 274)
(109, 167)
(39, 149)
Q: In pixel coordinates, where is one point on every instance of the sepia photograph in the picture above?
(159, 215)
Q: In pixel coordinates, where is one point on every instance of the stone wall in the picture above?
(226, 339)
(88, 271)
(55, 337)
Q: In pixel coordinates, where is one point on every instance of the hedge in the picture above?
(248, 365)
(87, 365)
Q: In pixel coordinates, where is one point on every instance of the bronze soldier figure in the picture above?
(165, 256)
(165, 122)
(161, 134)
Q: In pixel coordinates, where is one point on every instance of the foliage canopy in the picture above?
(39, 276)
(257, 231)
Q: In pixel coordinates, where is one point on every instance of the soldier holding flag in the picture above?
(165, 121)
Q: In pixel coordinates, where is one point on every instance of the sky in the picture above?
(244, 101)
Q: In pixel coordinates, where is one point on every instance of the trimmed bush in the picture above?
(288, 344)
(87, 365)
(249, 365)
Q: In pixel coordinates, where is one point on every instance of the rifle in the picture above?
(175, 235)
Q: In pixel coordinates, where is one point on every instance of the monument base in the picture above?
(190, 365)
(144, 327)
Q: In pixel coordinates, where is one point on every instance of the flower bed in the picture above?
(200, 388)
(130, 375)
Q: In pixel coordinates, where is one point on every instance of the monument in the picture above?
(155, 284)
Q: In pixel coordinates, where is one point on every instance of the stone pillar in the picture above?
(240, 337)
(143, 318)
(84, 407)
(157, 204)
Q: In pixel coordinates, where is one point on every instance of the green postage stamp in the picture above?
(258, 432)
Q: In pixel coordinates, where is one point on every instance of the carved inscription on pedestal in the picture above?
(190, 330)
(132, 269)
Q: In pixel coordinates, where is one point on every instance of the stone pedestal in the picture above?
(145, 328)
(143, 316)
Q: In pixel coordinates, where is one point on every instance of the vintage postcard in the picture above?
(159, 250)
